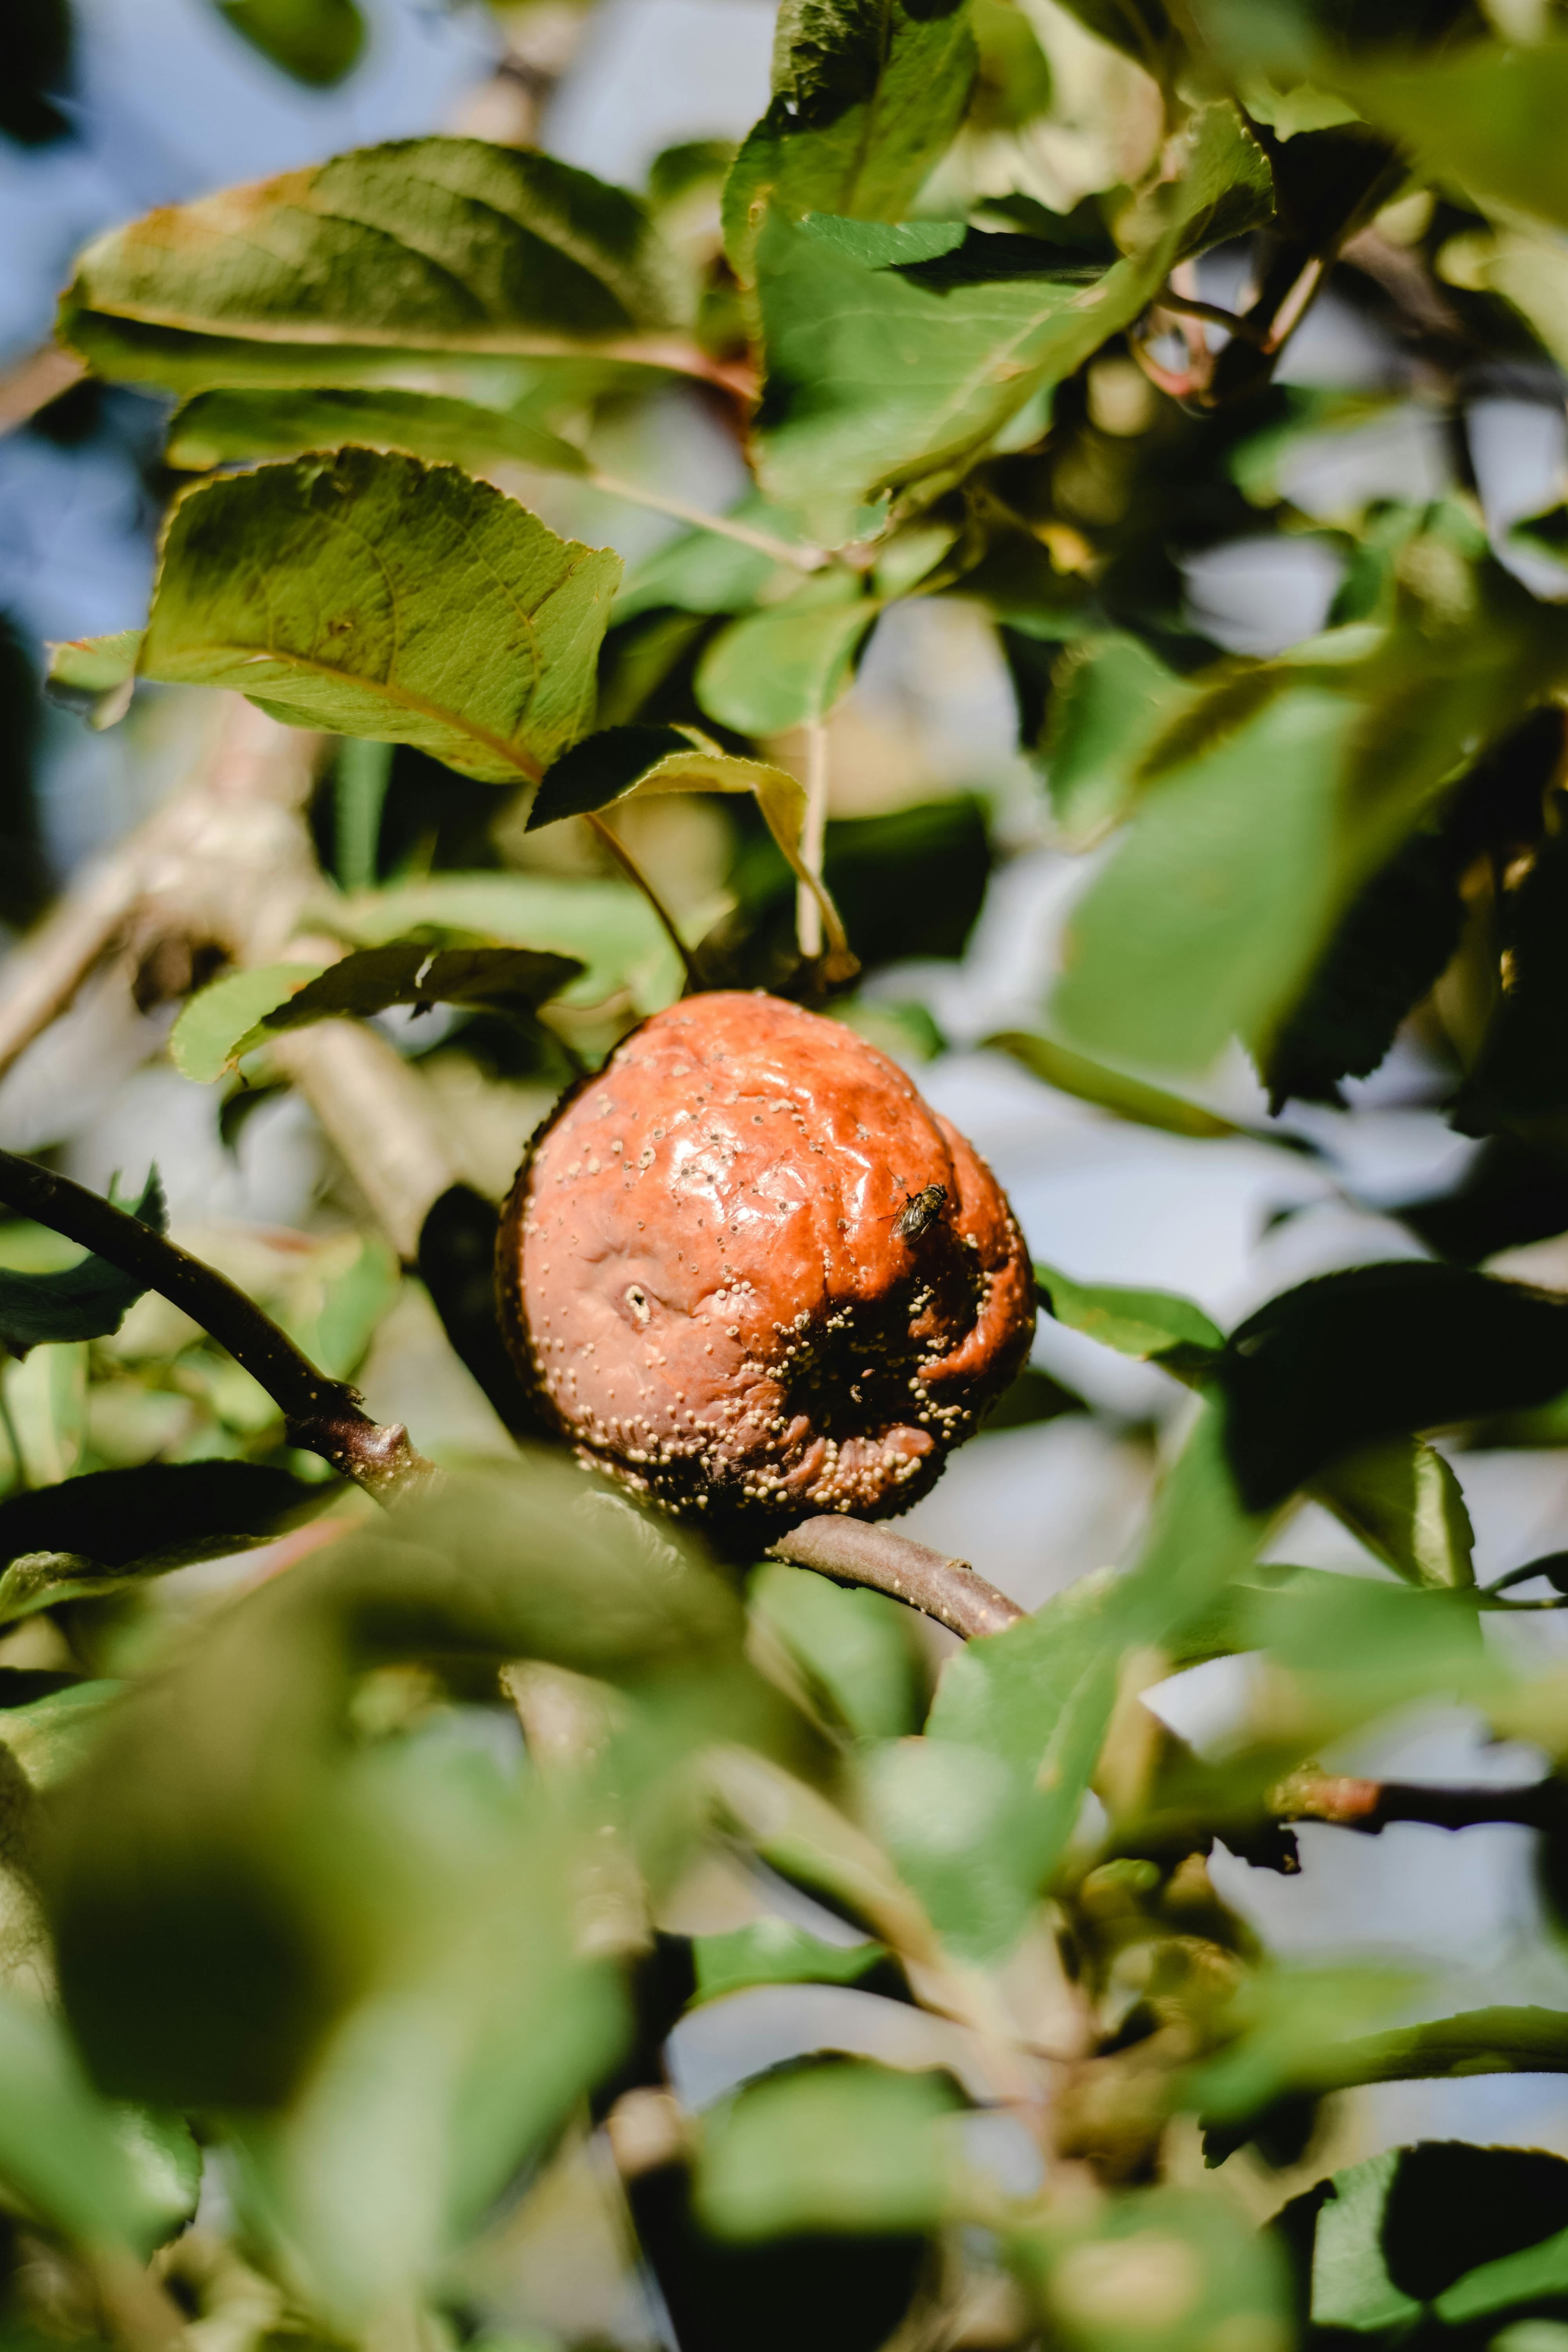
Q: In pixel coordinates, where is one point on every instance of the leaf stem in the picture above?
(853, 1551)
(324, 1416)
(803, 559)
(634, 874)
(813, 834)
(8, 1425)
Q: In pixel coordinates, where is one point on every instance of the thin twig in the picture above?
(633, 873)
(1370, 1806)
(1232, 322)
(42, 377)
(803, 559)
(324, 1416)
(853, 1551)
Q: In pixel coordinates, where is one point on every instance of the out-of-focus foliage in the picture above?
(439, 1883)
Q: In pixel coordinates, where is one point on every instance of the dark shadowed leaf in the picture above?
(447, 249)
(234, 1017)
(1522, 1070)
(626, 763)
(96, 1533)
(1390, 946)
(317, 41)
(382, 597)
(1377, 1352)
(866, 99)
(1473, 2231)
(85, 1301)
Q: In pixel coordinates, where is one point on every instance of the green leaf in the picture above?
(786, 666)
(607, 925)
(966, 1835)
(1464, 2233)
(1378, 1352)
(866, 98)
(772, 1952)
(850, 2146)
(1281, 786)
(62, 2148)
(95, 676)
(85, 1301)
(1391, 945)
(976, 333)
(1207, 919)
(379, 596)
(702, 571)
(1155, 2270)
(247, 1899)
(99, 1533)
(1482, 117)
(857, 1650)
(218, 426)
(1111, 697)
(443, 250)
(205, 1040)
(1154, 1326)
(1040, 1695)
(1404, 1502)
(234, 1017)
(317, 41)
(626, 763)
(1131, 1098)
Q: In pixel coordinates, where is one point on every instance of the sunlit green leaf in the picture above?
(1131, 1098)
(968, 1837)
(865, 100)
(217, 427)
(441, 250)
(786, 666)
(382, 597)
(1406, 1503)
(95, 676)
(1155, 1325)
(848, 2146)
(856, 1650)
(976, 332)
(772, 1952)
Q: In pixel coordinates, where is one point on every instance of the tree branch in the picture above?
(323, 1416)
(1370, 1806)
(853, 1551)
